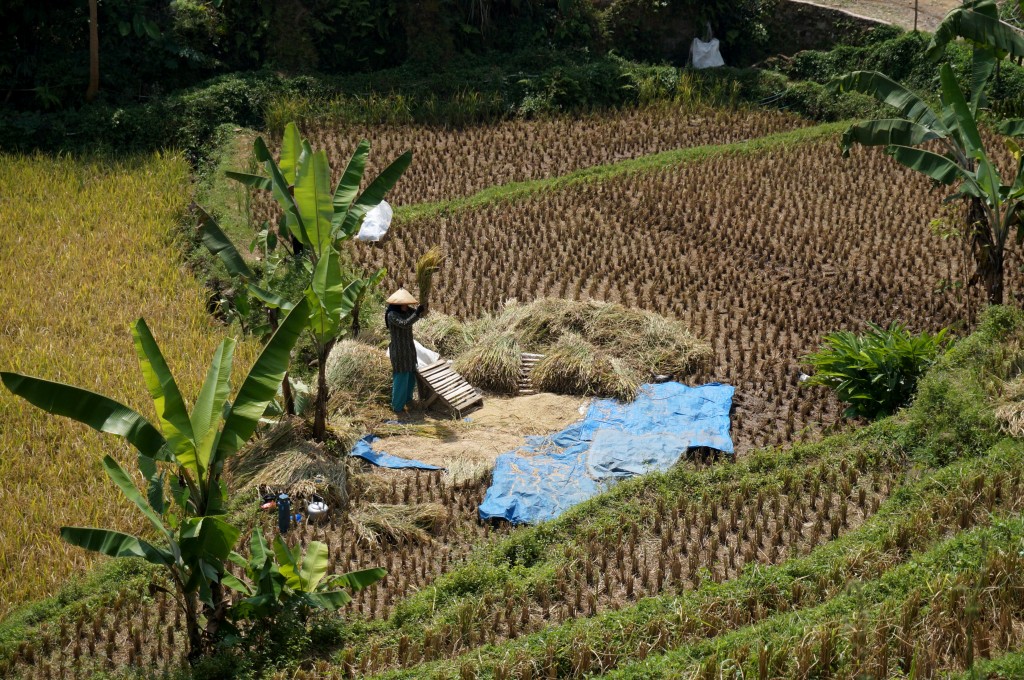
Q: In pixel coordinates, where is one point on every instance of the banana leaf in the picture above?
(114, 544)
(313, 198)
(132, 493)
(95, 410)
(936, 166)
(261, 384)
(218, 243)
(209, 408)
(888, 91)
(170, 406)
(980, 24)
(886, 132)
(348, 188)
(348, 223)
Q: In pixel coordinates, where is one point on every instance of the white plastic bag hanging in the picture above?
(705, 54)
(376, 222)
(424, 356)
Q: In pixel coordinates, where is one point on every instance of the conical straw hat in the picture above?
(402, 297)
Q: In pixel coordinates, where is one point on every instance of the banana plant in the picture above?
(184, 452)
(992, 40)
(320, 221)
(281, 576)
(314, 215)
(955, 155)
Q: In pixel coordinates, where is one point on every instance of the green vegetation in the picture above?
(876, 373)
(317, 221)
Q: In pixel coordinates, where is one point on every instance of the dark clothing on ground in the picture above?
(402, 349)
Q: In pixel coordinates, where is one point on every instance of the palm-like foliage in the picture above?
(187, 448)
(953, 154)
(875, 373)
(317, 221)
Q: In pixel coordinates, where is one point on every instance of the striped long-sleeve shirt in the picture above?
(402, 349)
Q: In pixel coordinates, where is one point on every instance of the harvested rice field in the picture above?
(451, 163)
(643, 245)
(759, 254)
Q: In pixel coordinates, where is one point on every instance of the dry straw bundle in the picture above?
(285, 461)
(376, 523)
(492, 363)
(359, 369)
(428, 265)
(590, 347)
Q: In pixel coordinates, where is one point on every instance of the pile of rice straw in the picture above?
(590, 348)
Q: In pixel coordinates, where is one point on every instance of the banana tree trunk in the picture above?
(320, 417)
(94, 52)
(195, 633)
(988, 254)
(993, 278)
(215, 616)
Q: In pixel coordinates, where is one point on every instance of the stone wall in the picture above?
(799, 25)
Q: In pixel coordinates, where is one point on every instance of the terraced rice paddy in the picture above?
(759, 253)
(449, 163)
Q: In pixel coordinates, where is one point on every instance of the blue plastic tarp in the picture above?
(363, 450)
(550, 474)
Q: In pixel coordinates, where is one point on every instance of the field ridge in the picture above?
(596, 173)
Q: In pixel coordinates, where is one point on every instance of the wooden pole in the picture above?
(915, 15)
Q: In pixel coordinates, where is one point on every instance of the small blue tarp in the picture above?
(362, 450)
(550, 474)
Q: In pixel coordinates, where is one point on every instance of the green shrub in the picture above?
(875, 373)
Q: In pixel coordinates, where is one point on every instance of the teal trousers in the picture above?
(401, 390)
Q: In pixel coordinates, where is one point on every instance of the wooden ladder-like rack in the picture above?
(445, 384)
(527, 363)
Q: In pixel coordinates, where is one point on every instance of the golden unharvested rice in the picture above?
(88, 251)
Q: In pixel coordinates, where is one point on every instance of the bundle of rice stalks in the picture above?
(1009, 409)
(492, 363)
(428, 265)
(376, 523)
(574, 366)
(359, 369)
(591, 348)
(284, 461)
(445, 334)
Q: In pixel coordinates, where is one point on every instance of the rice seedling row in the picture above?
(744, 250)
(450, 163)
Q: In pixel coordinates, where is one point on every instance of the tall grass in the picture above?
(89, 249)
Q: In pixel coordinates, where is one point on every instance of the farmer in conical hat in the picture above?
(401, 314)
